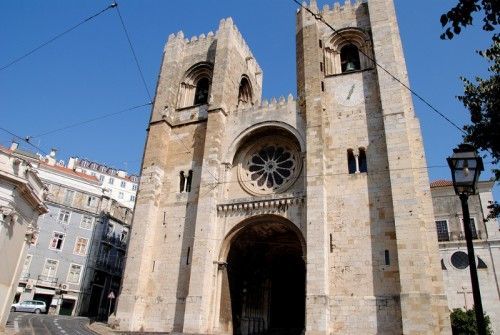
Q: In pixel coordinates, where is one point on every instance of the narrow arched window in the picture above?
(189, 181)
(182, 181)
(201, 93)
(363, 167)
(351, 162)
(244, 92)
(349, 58)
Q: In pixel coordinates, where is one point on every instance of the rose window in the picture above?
(270, 166)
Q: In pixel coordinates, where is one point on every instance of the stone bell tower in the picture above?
(373, 237)
(201, 80)
(285, 216)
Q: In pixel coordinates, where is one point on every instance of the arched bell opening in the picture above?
(266, 278)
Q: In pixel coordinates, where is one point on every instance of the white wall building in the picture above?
(121, 186)
(21, 202)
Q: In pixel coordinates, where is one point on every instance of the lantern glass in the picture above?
(465, 167)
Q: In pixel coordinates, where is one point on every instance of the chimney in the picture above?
(53, 153)
(14, 145)
(72, 162)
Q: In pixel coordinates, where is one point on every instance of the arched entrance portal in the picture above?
(266, 274)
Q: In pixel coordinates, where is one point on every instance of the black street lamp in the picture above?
(466, 166)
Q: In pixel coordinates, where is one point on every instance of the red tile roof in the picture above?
(441, 183)
(70, 172)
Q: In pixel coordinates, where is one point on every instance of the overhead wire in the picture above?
(89, 120)
(24, 139)
(133, 51)
(14, 61)
(320, 18)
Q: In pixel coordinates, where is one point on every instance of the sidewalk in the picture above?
(100, 328)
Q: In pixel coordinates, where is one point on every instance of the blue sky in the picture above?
(91, 72)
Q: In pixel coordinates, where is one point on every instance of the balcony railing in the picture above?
(46, 281)
(460, 236)
(24, 277)
(113, 269)
(115, 241)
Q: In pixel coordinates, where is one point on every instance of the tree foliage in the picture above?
(462, 16)
(481, 96)
(464, 322)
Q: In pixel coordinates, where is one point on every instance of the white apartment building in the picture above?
(119, 185)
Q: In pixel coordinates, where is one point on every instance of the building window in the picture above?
(189, 180)
(101, 178)
(120, 195)
(50, 268)
(87, 222)
(349, 49)
(123, 236)
(363, 167)
(201, 93)
(473, 230)
(460, 260)
(351, 161)
(356, 162)
(442, 230)
(110, 229)
(182, 181)
(57, 241)
(26, 265)
(63, 216)
(68, 197)
(74, 273)
(195, 88)
(134, 187)
(349, 58)
(132, 198)
(81, 246)
(91, 201)
(245, 95)
(123, 184)
(111, 181)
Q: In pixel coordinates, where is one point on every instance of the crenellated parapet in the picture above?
(271, 105)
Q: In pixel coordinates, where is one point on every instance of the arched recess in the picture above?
(245, 92)
(196, 85)
(342, 40)
(262, 278)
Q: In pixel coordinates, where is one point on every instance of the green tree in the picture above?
(464, 322)
(481, 96)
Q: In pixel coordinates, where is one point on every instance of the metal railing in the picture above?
(46, 281)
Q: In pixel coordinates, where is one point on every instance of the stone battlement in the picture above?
(271, 104)
(224, 25)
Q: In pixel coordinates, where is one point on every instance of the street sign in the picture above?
(111, 295)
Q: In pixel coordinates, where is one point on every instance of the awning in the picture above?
(44, 291)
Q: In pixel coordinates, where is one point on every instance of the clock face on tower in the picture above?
(349, 93)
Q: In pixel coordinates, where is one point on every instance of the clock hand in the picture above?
(350, 92)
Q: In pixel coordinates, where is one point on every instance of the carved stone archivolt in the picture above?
(269, 166)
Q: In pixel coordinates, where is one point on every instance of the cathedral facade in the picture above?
(310, 215)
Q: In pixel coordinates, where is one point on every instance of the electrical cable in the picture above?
(318, 17)
(133, 51)
(89, 120)
(24, 139)
(55, 38)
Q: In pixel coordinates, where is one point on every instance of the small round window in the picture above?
(460, 260)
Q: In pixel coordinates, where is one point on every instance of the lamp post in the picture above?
(466, 166)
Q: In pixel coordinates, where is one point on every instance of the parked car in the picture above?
(32, 306)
